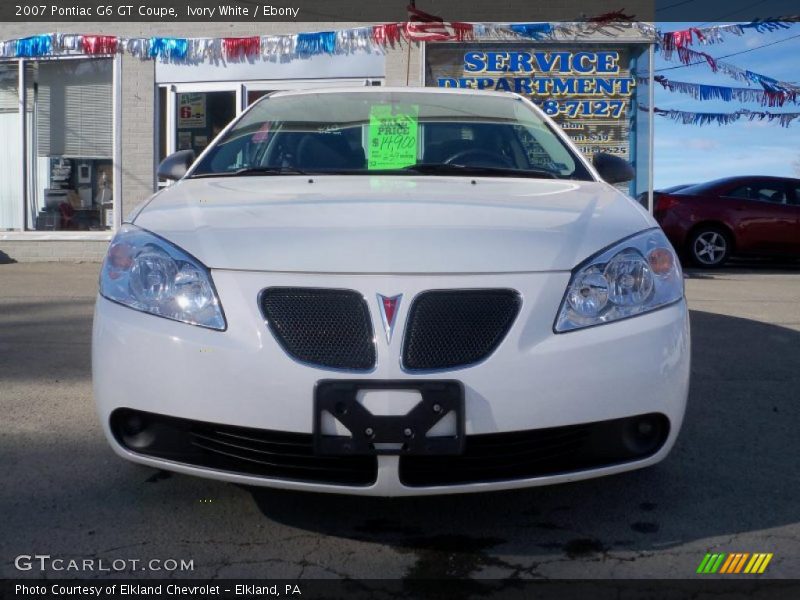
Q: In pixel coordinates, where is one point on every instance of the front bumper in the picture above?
(534, 381)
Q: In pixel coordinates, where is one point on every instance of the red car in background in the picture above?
(710, 222)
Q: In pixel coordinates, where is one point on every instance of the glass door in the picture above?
(253, 95)
(192, 115)
(201, 116)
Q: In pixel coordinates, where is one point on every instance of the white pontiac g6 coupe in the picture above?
(391, 292)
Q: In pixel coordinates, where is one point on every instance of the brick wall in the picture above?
(138, 131)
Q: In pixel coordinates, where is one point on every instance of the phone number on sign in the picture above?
(584, 108)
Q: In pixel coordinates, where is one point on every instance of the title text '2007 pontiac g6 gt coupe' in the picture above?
(391, 292)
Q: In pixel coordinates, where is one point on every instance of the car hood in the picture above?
(391, 224)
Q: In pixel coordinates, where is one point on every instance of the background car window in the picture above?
(743, 191)
(796, 193)
(768, 192)
(771, 193)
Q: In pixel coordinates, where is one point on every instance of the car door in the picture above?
(765, 219)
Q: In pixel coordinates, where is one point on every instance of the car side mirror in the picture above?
(613, 169)
(176, 165)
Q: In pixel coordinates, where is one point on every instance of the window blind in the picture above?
(74, 108)
(9, 90)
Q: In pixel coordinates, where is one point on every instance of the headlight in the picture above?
(636, 275)
(147, 273)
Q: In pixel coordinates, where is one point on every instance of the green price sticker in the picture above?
(393, 136)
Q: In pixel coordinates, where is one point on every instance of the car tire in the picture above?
(709, 247)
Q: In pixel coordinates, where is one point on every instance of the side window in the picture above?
(743, 191)
(538, 156)
(796, 194)
(774, 193)
(763, 192)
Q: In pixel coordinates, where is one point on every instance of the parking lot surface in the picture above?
(730, 485)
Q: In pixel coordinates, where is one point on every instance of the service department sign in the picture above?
(586, 89)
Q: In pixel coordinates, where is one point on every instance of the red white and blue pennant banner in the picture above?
(701, 91)
(687, 117)
(687, 56)
(420, 27)
(714, 34)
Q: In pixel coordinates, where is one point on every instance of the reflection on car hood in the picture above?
(392, 224)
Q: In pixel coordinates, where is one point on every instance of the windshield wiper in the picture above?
(263, 170)
(452, 169)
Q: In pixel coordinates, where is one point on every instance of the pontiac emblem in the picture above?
(388, 306)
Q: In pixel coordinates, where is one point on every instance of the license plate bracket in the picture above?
(371, 434)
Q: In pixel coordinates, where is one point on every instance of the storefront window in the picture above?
(11, 190)
(71, 145)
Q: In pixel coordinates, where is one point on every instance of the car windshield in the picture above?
(398, 132)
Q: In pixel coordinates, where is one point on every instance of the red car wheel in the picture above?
(709, 247)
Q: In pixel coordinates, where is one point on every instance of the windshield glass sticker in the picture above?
(392, 136)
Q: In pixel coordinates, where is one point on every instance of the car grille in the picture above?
(323, 327)
(539, 452)
(241, 450)
(456, 328)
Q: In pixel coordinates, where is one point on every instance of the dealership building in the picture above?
(83, 134)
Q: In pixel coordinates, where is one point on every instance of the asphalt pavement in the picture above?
(731, 484)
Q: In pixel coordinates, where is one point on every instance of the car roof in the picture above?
(672, 188)
(395, 90)
(742, 178)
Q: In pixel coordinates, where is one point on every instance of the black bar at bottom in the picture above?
(512, 589)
